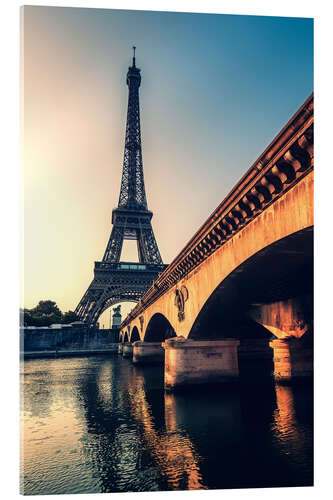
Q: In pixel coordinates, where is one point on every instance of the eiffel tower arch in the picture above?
(115, 281)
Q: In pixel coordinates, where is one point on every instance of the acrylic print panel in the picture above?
(167, 320)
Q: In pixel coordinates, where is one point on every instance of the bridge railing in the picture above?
(287, 159)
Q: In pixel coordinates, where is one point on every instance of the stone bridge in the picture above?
(241, 290)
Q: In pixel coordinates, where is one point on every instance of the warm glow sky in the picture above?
(215, 90)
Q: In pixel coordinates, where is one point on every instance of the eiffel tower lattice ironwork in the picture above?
(116, 281)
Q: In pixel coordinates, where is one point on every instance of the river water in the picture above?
(100, 424)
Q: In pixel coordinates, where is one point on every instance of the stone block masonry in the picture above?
(148, 353)
(189, 362)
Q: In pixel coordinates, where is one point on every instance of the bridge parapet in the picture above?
(283, 164)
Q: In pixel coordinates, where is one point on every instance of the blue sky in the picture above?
(215, 91)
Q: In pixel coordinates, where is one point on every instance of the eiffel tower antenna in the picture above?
(116, 281)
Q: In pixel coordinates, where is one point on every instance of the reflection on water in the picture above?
(291, 436)
(103, 425)
(170, 447)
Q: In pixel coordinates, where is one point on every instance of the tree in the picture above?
(47, 307)
(27, 317)
(69, 317)
(45, 313)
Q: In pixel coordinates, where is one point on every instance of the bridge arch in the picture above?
(158, 329)
(134, 335)
(276, 273)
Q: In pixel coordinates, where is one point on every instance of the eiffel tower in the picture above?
(116, 281)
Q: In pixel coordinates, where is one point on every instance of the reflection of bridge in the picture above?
(245, 275)
(173, 450)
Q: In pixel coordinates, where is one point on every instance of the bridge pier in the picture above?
(286, 318)
(148, 352)
(127, 350)
(189, 362)
(120, 348)
(293, 360)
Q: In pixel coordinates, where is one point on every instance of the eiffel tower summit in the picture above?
(115, 281)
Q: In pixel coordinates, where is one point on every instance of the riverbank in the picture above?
(113, 348)
(69, 340)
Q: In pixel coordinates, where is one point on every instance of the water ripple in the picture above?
(102, 425)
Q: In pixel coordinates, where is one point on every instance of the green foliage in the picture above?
(69, 317)
(47, 313)
(47, 307)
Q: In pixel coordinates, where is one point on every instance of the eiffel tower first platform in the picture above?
(116, 281)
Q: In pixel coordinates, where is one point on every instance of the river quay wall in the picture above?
(66, 341)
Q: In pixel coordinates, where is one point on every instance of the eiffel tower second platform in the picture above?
(115, 281)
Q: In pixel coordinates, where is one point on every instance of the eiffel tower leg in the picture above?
(148, 246)
(141, 248)
(91, 304)
(99, 307)
(81, 307)
(101, 296)
(87, 303)
(115, 244)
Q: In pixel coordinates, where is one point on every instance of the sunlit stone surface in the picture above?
(190, 362)
(292, 360)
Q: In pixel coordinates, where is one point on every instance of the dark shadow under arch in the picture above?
(135, 335)
(278, 272)
(159, 329)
